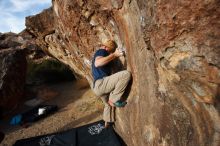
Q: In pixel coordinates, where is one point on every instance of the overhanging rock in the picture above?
(172, 50)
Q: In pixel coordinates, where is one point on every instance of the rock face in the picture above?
(9, 40)
(12, 70)
(172, 50)
(13, 51)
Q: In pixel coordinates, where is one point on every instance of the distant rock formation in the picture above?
(12, 70)
(172, 50)
(13, 51)
(8, 40)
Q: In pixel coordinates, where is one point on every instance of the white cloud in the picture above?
(13, 13)
(23, 5)
(12, 23)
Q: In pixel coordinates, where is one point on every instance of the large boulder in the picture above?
(12, 77)
(9, 40)
(13, 50)
(172, 50)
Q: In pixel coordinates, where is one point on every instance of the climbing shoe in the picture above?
(117, 103)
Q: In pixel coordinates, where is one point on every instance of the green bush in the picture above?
(48, 71)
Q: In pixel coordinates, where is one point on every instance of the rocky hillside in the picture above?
(14, 49)
(12, 71)
(172, 50)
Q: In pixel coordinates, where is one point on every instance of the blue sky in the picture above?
(13, 13)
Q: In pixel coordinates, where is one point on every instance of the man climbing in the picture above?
(109, 87)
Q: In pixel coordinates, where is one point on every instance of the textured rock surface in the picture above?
(8, 40)
(12, 77)
(172, 50)
(12, 69)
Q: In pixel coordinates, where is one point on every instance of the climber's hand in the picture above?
(118, 53)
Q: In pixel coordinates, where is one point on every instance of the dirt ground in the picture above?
(77, 106)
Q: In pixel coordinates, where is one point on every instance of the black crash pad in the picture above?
(32, 115)
(67, 138)
(89, 135)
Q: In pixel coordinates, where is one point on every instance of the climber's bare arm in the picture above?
(101, 61)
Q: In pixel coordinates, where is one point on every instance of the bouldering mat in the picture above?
(88, 135)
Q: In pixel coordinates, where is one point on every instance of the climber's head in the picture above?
(110, 45)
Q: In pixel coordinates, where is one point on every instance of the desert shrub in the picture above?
(48, 71)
